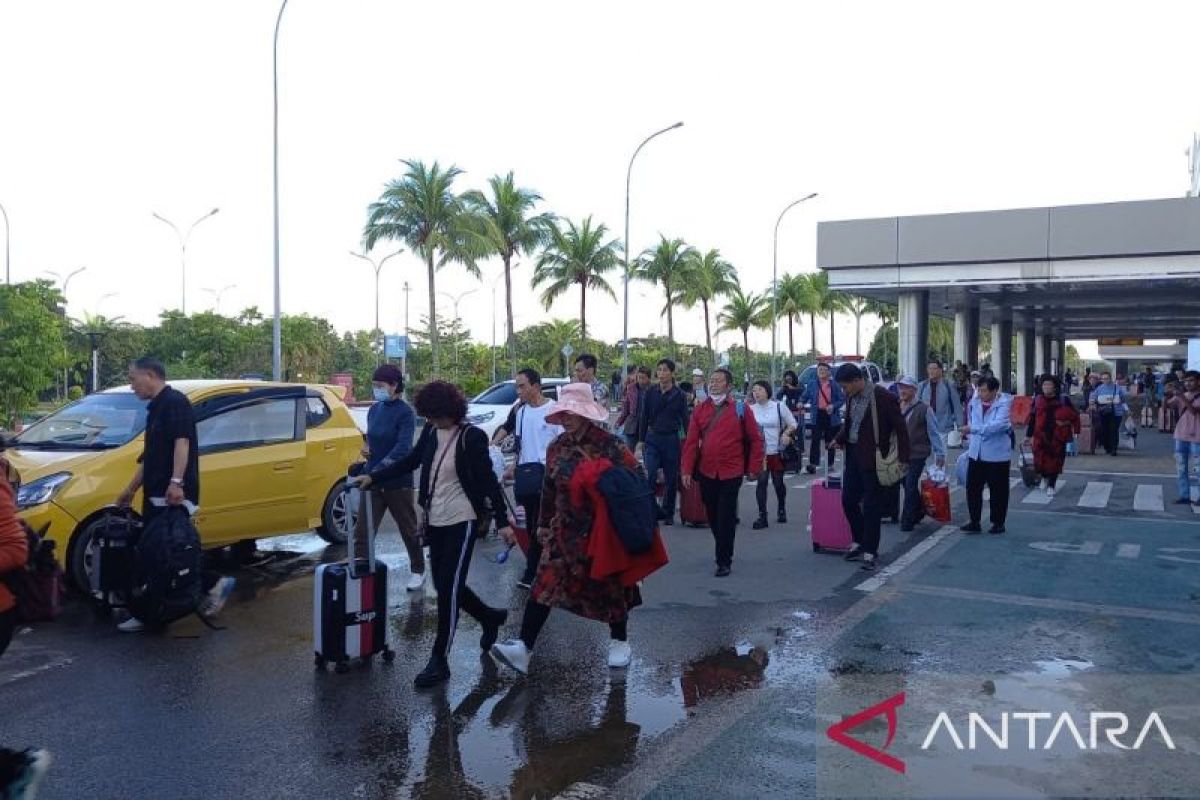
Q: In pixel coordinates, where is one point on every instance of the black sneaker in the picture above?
(854, 554)
(668, 521)
(22, 771)
(971, 527)
(435, 672)
(491, 628)
(782, 517)
(868, 562)
(1183, 501)
(760, 523)
(811, 469)
(906, 528)
(996, 529)
(722, 572)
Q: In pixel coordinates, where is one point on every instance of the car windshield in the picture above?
(502, 394)
(97, 422)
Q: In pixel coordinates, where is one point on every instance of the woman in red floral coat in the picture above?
(1052, 424)
(564, 576)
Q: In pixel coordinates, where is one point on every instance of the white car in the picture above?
(874, 374)
(490, 408)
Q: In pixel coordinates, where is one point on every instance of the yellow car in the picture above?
(273, 459)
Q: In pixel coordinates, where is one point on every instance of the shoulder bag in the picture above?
(888, 469)
(527, 478)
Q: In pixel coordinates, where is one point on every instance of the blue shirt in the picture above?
(391, 425)
(989, 438)
(1107, 390)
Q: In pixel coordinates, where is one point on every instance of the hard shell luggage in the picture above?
(350, 606)
(1085, 442)
(827, 523)
(692, 511)
(111, 577)
(1029, 475)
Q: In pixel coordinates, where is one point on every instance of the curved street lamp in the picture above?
(377, 266)
(775, 285)
(183, 240)
(276, 327)
(628, 180)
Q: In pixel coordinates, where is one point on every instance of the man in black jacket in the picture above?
(458, 489)
(663, 415)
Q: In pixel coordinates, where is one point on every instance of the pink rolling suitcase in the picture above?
(826, 521)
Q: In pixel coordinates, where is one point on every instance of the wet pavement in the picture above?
(733, 683)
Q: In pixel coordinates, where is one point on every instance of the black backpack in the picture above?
(37, 586)
(168, 584)
(630, 507)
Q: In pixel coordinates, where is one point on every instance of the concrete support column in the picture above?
(1002, 353)
(914, 332)
(1060, 353)
(1043, 354)
(1025, 360)
(966, 336)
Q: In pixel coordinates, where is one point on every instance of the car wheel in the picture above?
(81, 554)
(337, 517)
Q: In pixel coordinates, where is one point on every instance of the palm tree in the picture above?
(576, 254)
(421, 210)
(794, 301)
(826, 302)
(546, 340)
(709, 277)
(858, 306)
(743, 312)
(668, 264)
(505, 225)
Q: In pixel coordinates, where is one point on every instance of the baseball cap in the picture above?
(905, 380)
(697, 371)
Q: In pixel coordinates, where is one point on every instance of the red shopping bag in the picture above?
(1022, 407)
(936, 497)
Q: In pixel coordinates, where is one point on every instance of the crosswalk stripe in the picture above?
(1148, 497)
(1014, 483)
(1039, 498)
(1095, 494)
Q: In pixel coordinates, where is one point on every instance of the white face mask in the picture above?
(717, 398)
(380, 395)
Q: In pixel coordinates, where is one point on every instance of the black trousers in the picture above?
(760, 493)
(914, 506)
(863, 499)
(450, 551)
(536, 615)
(994, 475)
(721, 500)
(532, 506)
(823, 431)
(1110, 432)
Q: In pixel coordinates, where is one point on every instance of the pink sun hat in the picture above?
(576, 398)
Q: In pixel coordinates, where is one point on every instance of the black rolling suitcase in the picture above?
(110, 578)
(350, 606)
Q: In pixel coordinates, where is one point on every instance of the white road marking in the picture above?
(1014, 483)
(1039, 498)
(891, 570)
(1095, 494)
(1129, 550)
(1148, 497)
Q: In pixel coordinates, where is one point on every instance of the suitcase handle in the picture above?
(369, 510)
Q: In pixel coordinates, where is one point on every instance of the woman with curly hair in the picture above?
(458, 488)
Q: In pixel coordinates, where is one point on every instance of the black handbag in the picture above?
(527, 478)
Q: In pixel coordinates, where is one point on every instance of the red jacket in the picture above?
(604, 548)
(729, 448)
(14, 547)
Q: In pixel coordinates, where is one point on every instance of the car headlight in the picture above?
(475, 419)
(42, 490)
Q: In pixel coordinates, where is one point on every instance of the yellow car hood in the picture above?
(32, 463)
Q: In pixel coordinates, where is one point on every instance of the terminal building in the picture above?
(1122, 272)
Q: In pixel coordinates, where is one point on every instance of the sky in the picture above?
(114, 111)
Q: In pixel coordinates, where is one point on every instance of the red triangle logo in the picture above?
(840, 732)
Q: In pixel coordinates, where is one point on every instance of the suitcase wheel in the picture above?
(389, 655)
(342, 667)
(816, 547)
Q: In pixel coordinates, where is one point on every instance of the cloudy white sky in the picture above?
(113, 110)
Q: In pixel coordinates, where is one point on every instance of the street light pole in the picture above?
(66, 282)
(183, 240)
(7, 236)
(277, 327)
(377, 266)
(456, 301)
(495, 285)
(407, 336)
(775, 285)
(628, 179)
(218, 294)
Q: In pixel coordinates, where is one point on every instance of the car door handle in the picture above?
(284, 466)
(329, 447)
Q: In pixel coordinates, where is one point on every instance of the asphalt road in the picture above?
(733, 682)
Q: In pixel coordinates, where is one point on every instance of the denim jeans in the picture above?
(662, 452)
(1184, 452)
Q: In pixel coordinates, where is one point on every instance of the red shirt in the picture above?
(13, 545)
(732, 447)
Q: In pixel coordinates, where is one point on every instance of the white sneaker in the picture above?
(513, 654)
(1045, 485)
(131, 625)
(1050, 492)
(619, 654)
(217, 596)
(416, 582)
